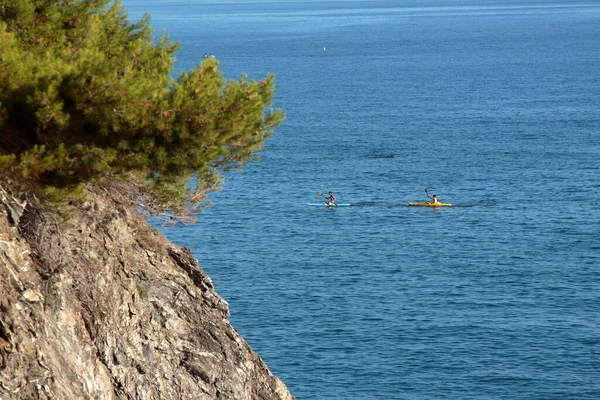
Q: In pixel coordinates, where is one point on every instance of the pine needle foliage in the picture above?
(86, 95)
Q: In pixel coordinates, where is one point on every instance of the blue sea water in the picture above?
(494, 106)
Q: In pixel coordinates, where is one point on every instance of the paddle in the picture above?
(322, 195)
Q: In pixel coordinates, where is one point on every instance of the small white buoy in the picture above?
(323, 48)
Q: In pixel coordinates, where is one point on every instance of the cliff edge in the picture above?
(99, 305)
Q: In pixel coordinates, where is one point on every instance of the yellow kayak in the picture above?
(436, 204)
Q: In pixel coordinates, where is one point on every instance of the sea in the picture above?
(492, 105)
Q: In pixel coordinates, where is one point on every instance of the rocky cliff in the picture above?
(97, 305)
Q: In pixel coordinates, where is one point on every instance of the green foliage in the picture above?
(86, 95)
(142, 290)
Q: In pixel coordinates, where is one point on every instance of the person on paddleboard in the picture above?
(331, 199)
(433, 198)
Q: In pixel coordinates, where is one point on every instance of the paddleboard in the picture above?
(430, 204)
(328, 205)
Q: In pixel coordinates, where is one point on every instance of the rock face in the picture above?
(100, 306)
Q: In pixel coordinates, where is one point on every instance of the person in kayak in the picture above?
(433, 198)
(331, 199)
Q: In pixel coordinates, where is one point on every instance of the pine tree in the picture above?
(86, 95)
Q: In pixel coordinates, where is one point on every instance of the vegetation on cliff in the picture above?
(87, 96)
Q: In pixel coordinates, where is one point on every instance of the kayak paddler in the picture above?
(331, 199)
(433, 198)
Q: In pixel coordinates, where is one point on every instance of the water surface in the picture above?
(493, 106)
